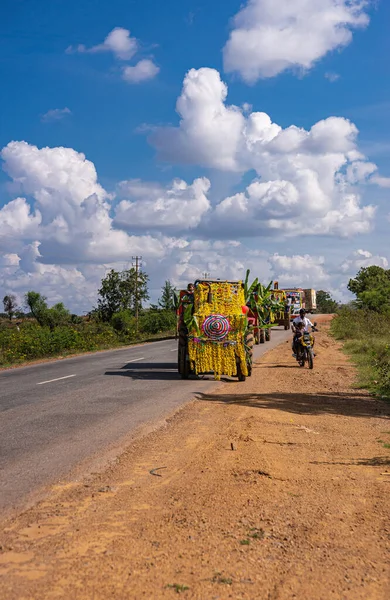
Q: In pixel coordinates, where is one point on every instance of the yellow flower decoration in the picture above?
(220, 298)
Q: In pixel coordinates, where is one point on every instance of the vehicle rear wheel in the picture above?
(249, 343)
(262, 336)
(240, 374)
(182, 358)
(268, 335)
(184, 363)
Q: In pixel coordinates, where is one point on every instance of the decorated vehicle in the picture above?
(214, 336)
(296, 299)
(282, 316)
(266, 308)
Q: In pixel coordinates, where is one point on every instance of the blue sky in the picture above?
(110, 121)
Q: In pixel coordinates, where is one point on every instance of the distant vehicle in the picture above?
(310, 300)
(296, 298)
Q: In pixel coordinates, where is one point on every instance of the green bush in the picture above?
(124, 322)
(32, 341)
(367, 339)
(158, 321)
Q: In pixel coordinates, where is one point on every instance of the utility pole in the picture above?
(137, 262)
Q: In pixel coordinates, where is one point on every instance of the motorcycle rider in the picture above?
(306, 324)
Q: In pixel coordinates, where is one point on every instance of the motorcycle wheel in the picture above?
(310, 358)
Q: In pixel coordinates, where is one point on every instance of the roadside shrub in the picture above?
(153, 322)
(32, 341)
(367, 339)
(124, 322)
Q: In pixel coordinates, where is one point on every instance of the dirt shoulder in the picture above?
(297, 509)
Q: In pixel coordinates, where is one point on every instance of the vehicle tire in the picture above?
(267, 335)
(249, 343)
(182, 358)
(262, 336)
(310, 358)
(257, 337)
(184, 363)
(240, 374)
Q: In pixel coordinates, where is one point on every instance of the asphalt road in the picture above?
(56, 415)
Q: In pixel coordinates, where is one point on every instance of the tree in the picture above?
(325, 303)
(10, 305)
(372, 288)
(37, 305)
(57, 315)
(122, 290)
(167, 300)
(52, 317)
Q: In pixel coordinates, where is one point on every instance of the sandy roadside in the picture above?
(297, 509)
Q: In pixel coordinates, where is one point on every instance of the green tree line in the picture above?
(120, 317)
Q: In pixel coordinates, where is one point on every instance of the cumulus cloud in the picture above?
(307, 178)
(62, 230)
(124, 47)
(145, 69)
(272, 36)
(305, 269)
(179, 207)
(68, 210)
(360, 259)
(55, 114)
(118, 41)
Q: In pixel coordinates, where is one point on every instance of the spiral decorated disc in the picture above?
(216, 327)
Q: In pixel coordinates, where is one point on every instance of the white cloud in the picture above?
(307, 177)
(118, 41)
(71, 211)
(124, 47)
(63, 231)
(272, 36)
(145, 69)
(152, 207)
(383, 182)
(360, 259)
(332, 77)
(299, 270)
(55, 114)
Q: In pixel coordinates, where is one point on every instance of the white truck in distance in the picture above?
(310, 300)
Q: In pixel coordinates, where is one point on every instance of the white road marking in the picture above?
(136, 359)
(58, 379)
(174, 350)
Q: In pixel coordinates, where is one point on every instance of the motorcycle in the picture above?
(305, 352)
